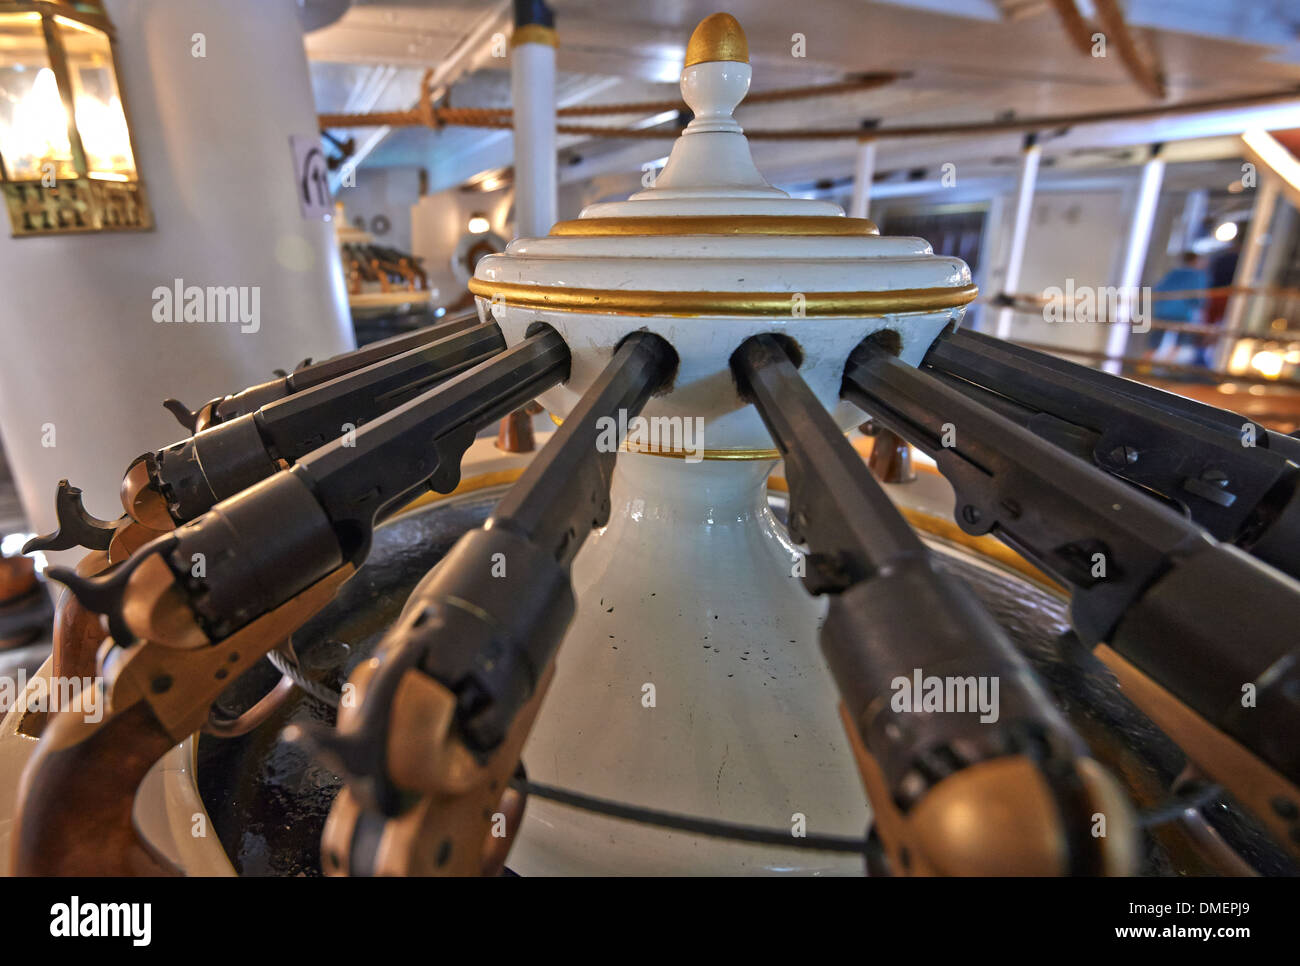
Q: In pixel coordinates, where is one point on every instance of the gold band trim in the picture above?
(534, 33)
(690, 304)
(803, 225)
(706, 454)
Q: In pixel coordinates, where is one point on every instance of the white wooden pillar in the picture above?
(1020, 232)
(1247, 272)
(1135, 257)
(88, 351)
(532, 91)
(864, 171)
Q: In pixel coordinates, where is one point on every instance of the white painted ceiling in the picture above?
(968, 60)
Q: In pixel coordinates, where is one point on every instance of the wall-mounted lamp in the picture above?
(66, 159)
(478, 224)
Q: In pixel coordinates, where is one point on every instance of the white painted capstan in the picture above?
(712, 254)
(690, 680)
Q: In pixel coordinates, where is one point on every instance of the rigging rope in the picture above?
(440, 115)
(502, 117)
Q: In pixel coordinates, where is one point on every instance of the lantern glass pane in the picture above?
(33, 123)
(101, 121)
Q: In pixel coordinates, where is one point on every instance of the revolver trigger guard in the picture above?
(359, 754)
(356, 757)
(343, 754)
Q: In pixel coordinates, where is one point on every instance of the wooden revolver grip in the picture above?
(77, 794)
(78, 631)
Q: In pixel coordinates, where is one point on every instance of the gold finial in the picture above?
(718, 37)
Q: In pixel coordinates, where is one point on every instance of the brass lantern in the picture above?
(66, 158)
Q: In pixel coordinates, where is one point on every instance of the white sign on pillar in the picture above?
(311, 176)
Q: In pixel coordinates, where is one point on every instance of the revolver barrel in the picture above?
(991, 743)
(450, 699)
(1235, 478)
(192, 476)
(1145, 581)
(311, 374)
(260, 547)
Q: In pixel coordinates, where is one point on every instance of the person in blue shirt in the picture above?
(1190, 275)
